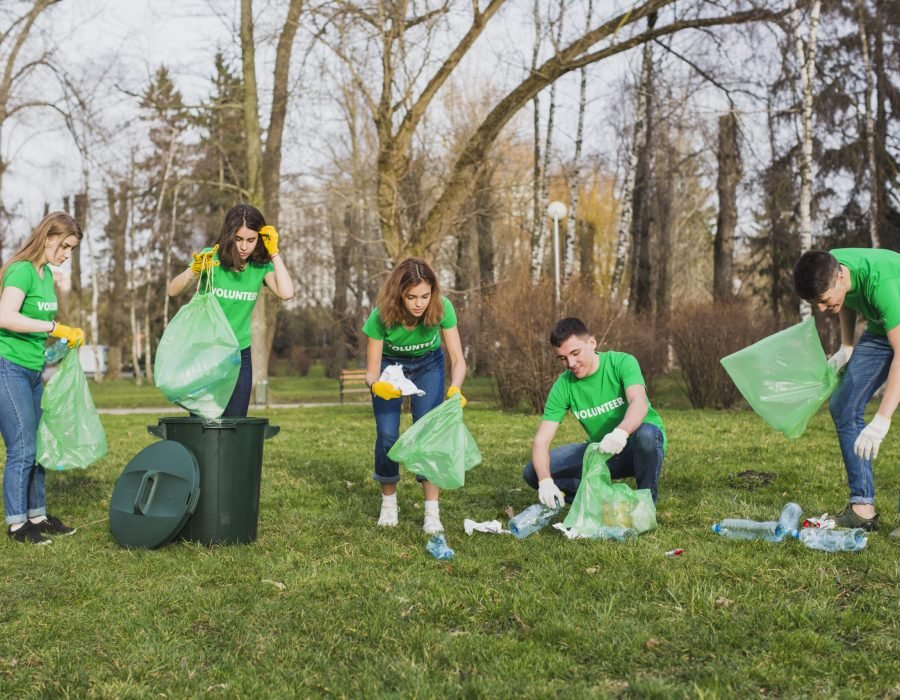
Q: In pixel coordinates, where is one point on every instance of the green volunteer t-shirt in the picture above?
(598, 401)
(874, 285)
(400, 342)
(27, 349)
(236, 291)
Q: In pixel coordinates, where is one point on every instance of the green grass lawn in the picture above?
(327, 604)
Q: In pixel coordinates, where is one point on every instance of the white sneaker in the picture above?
(388, 516)
(432, 525)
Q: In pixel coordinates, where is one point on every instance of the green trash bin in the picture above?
(229, 452)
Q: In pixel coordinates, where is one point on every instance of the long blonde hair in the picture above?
(56, 224)
(408, 274)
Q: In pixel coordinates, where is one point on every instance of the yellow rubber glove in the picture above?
(455, 390)
(203, 261)
(270, 239)
(73, 336)
(386, 391)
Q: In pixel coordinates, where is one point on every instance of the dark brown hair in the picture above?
(406, 274)
(241, 216)
(566, 328)
(814, 274)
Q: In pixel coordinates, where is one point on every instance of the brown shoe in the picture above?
(850, 519)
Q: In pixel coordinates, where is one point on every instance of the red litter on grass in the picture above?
(675, 552)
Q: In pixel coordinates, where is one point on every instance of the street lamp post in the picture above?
(556, 211)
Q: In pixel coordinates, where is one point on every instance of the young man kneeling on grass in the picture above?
(850, 281)
(606, 393)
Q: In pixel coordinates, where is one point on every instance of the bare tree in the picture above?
(17, 71)
(729, 158)
(264, 161)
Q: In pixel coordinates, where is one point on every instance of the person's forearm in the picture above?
(634, 416)
(891, 391)
(284, 284)
(19, 323)
(180, 282)
(457, 372)
(540, 458)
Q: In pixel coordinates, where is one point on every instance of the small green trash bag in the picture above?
(785, 377)
(70, 435)
(601, 503)
(198, 359)
(438, 446)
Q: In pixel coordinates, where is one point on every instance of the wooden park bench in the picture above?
(353, 381)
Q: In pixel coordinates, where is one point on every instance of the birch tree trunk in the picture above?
(538, 224)
(870, 127)
(626, 210)
(575, 171)
(806, 55)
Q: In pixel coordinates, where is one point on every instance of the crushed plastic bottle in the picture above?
(737, 529)
(532, 519)
(438, 548)
(832, 540)
(54, 353)
(789, 520)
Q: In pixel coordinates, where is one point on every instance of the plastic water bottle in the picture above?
(54, 353)
(617, 533)
(736, 529)
(437, 547)
(532, 519)
(832, 540)
(789, 520)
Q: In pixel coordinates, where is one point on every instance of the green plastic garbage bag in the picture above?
(601, 503)
(70, 435)
(785, 377)
(198, 359)
(438, 446)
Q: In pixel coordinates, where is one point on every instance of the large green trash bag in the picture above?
(70, 435)
(438, 446)
(601, 503)
(198, 359)
(785, 377)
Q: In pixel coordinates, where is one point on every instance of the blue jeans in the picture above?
(240, 397)
(867, 370)
(642, 458)
(23, 480)
(427, 373)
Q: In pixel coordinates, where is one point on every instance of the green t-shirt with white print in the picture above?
(415, 342)
(27, 349)
(598, 401)
(237, 291)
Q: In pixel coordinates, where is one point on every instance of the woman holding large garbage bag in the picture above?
(240, 266)
(28, 307)
(406, 328)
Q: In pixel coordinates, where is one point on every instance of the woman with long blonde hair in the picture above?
(28, 307)
(406, 327)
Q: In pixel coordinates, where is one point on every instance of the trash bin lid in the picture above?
(155, 495)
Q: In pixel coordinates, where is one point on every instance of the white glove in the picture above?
(549, 494)
(841, 357)
(613, 443)
(866, 445)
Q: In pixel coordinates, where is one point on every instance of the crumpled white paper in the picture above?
(490, 526)
(394, 375)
